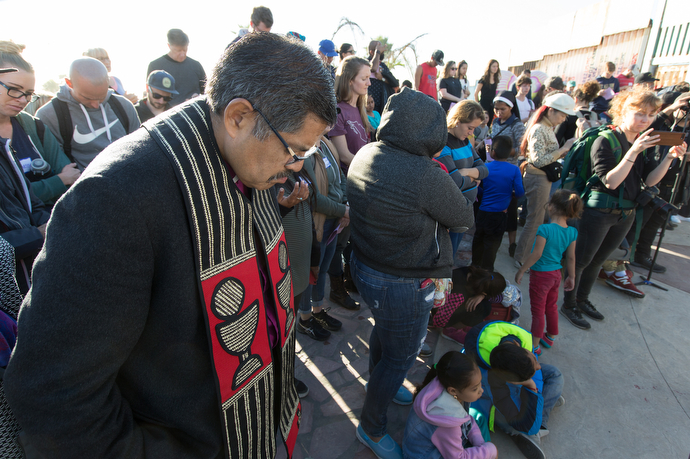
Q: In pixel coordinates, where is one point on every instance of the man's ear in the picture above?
(68, 82)
(239, 118)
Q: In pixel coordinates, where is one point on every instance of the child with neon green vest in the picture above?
(519, 393)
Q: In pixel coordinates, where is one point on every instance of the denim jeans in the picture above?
(600, 233)
(401, 313)
(342, 250)
(553, 387)
(314, 294)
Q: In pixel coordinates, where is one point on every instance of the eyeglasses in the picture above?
(295, 158)
(160, 96)
(17, 94)
(453, 68)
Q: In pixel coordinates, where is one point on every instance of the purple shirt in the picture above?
(349, 123)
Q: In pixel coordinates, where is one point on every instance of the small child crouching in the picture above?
(439, 424)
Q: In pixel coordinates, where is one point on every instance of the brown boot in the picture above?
(340, 296)
(347, 280)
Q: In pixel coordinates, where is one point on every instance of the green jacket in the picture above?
(50, 188)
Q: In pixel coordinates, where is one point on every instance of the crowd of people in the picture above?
(169, 248)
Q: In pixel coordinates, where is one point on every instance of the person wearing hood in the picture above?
(540, 147)
(87, 116)
(400, 236)
(507, 123)
(439, 425)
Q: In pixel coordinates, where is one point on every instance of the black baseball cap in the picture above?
(645, 77)
(438, 56)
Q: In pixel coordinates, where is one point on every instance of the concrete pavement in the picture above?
(627, 380)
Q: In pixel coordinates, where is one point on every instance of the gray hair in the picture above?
(281, 77)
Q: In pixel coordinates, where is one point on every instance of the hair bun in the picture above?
(11, 47)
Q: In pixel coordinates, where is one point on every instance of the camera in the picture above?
(650, 195)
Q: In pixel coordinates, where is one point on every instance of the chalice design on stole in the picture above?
(238, 330)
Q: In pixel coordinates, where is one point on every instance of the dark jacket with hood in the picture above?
(401, 202)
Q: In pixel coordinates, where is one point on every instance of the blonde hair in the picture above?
(347, 71)
(464, 112)
(96, 53)
(639, 98)
(11, 56)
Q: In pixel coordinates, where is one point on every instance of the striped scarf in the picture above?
(255, 383)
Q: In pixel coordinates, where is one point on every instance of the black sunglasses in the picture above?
(160, 96)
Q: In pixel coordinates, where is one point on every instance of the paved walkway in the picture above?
(627, 381)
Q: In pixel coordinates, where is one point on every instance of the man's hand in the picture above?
(299, 193)
(69, 174)
(42, 229)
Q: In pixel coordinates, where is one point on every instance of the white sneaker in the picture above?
(675, 219)
(683, 219)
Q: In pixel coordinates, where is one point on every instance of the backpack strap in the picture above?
(119, 110)
(65, 125)
(605, 200)
(40, 129)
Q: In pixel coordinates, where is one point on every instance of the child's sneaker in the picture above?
(537, 350)
(546, 341)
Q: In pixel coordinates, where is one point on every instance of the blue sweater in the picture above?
(503, 179)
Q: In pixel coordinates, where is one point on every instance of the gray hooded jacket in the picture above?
(401, 202)
(91, 136)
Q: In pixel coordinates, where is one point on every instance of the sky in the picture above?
(134, 32)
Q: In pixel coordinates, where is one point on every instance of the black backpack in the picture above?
(65, 121)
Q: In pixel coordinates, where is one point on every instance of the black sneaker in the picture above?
(313, 329)
(326, 321)
(302, 389)
(574, 316)
(528, 446)
(646, 262)
(589, 309)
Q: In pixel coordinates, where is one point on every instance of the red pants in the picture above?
(543, 300)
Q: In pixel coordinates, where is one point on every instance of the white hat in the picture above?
(561, 102)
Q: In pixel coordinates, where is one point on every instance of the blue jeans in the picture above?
(401, 313)
(316, 293)
(553, 387)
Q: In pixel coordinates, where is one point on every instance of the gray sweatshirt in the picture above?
(92, 135)
(401, 202)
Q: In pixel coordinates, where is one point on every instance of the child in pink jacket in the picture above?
(439, 426)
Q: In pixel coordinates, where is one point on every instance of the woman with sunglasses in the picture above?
(346, 50)
(35, 148)
(450, 86)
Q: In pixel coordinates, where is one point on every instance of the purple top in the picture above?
(349, 123)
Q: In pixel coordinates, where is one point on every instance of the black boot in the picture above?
(347, 280)
(339, 295)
